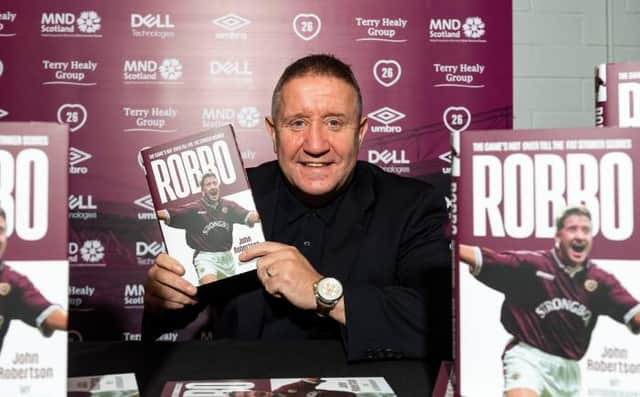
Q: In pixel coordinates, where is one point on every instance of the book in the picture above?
(557, 291)
(203, 202)
(111, 385)
(320, 387)
(618, 94)
(34, 270)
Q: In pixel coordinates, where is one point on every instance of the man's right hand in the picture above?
(165, 288)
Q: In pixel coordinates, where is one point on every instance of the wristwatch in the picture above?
(328, 292)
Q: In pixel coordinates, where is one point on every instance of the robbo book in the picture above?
(554, 291)
(320, 387)
(34, 270)
(618, 94)
(203, 203)
(112, 385)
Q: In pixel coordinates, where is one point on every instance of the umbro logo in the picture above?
(386, 115)
(145, 202)
(77, 156)
(231, 22)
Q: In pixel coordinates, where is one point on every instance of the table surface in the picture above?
(158, 362)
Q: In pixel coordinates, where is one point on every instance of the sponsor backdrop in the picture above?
(124, 76)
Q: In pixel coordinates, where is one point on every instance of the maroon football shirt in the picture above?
(548, 308)
(19, 300)
(208, 228)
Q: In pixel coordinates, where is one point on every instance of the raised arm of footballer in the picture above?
(353, 251)
(20, 300)
(558, 294)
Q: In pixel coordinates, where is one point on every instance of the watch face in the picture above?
(329, 289)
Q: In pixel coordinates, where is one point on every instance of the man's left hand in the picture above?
(284, 272)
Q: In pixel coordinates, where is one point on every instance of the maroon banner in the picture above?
(125, 76)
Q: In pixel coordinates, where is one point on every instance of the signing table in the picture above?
(158, 362)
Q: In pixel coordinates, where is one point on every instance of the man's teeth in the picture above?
(315, 164)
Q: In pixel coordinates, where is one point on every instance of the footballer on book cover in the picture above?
(34, 270)
(203, 203)
(548, 258)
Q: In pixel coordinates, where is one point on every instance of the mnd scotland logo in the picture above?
(472, 29)
(66, 24)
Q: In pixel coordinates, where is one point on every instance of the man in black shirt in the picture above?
(353, 253)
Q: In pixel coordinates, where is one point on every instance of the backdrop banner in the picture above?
(127, 75)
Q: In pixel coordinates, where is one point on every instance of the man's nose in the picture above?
(316, 139)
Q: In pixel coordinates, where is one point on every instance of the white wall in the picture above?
(557, 44)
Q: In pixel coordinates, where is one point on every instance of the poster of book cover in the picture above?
(112, 385)
(34, 271)
(203, 203)
(618, 94)
(276, 387)
(547, 261)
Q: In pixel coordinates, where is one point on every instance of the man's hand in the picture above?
(165, 288)
(284, 272)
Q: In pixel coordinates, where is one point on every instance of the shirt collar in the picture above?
(295, 209)
(570, 270)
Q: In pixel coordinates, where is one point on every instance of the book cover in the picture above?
(618, 94)
(533, 286)
(34, 270)
(203, 203)
(318, 387)
(112, 385)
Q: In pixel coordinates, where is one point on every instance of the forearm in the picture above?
(57, 320)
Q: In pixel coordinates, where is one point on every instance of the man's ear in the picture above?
(362, 129)
(271, 130)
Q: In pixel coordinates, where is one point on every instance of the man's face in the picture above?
(573, 241)
(3, 236)
(211, 188)
(317, 134)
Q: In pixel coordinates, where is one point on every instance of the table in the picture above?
(155, 363)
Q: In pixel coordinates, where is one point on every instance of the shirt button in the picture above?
(307, 243)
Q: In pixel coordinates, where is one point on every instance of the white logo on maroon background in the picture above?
(92, 251)
(456, 118)
(248, 117)
(387, 72)
(89, 22)
(231, 22)
(1, 68)
(77, 156)
(473, 27)
(307, 26)
(386, 115)
(171, 69)
(145, 202)
(3, 113)
(73, 114)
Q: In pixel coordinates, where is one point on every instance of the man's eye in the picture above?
(297, 124)
(334, 124)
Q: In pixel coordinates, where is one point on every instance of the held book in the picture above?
(533, 286)
(34, 270)
(280, 387)
(618, 94)
(203, 203)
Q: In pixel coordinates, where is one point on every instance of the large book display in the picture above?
(34, 270)
(508, 189)
(618, 94)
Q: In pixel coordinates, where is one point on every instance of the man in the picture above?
(208, 223)
(20, 300)
(552, 301)
(352, 251)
